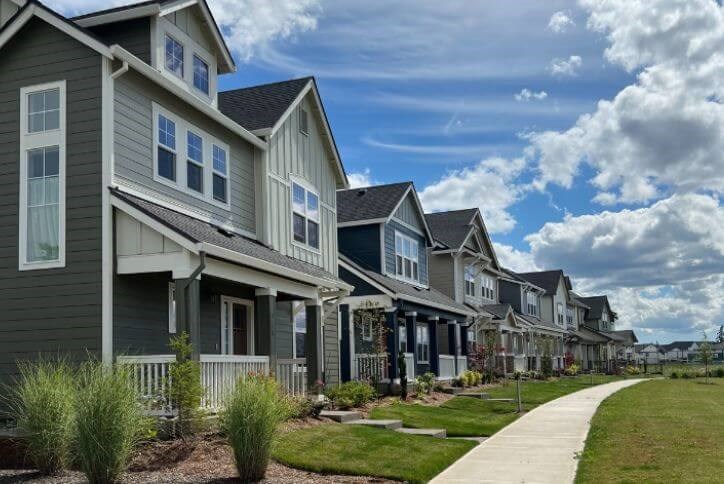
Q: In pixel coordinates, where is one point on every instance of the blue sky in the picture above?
(590, 133)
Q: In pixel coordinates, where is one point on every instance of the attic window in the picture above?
(303, 121)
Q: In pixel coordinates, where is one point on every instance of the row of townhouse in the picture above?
(675, 352)
(138, 201)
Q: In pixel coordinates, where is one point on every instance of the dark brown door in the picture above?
(240, 321)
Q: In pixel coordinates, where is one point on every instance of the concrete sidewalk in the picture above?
(539, 447)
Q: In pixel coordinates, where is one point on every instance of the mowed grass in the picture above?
(364, 451)
(658, 431)
(467, 417)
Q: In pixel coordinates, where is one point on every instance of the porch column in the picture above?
(452, 346)
(265, 305)
(410, 325)
(434, 353)
(313, 341)
(344, 343)
(464, 340)
(392, 340)
(188, 312)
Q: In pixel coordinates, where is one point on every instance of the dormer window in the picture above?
(407, 259)
(532, 303)
(201, 75)
(305, 216)
(470, 281)
(174, 56)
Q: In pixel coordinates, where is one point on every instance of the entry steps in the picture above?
(356, 418)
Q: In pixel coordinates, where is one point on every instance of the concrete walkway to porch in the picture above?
(540, 447)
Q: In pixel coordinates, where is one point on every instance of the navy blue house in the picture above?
(383, 245)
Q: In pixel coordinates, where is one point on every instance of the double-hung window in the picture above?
(195, 162)
(166, 148)
(569, 316)
(560, 313)
(201, 75)
(407, 258)
(174, 56)
(42, 177)
(305, 215)
(423, 343)
(489, 284)
(532, 303)
(220, 175)
(470, 281)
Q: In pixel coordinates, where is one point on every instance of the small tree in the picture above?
(184, 385)
(568, 360)
(706, 355)
(547, 360)
(370, 314)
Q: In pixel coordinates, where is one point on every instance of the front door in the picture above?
(237, 326)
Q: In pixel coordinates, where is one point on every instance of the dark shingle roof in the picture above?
(626, 334)
(369, 202)
(546, 280)
(435, 297)
(451, 228)
(260, 107)
(595, 304)
(678, 345)
(199, 231)
(500, 311)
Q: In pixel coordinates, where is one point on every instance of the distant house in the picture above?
(650, 354)
(625, 344)
(680, 350)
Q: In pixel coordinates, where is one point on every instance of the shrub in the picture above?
(108, 422)
(425, 383)
(42, 405)
(249, 419)
(572, 370)
(719, 372)
(184, 385)
(674, 374)
(686, 375)
(301, 407)
(352, 394)
(632, 370)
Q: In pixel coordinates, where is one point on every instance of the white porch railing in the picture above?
(219, 374)
(371, 366)
(447, 366)
(410, 365)
(462, 364)
(292, 375)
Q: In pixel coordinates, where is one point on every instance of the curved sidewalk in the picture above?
(540, 447)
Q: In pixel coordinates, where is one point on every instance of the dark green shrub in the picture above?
(302, 407)
(686, 375)
(719, 372)
(42, 405)
(108, 422)
(674, 374)
(184, 385)
(352, 394)
(250, 418)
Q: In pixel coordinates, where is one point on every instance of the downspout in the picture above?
(121, 70)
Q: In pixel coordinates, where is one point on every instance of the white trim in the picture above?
(176, 6)
(34, 9)
(356, 223)
(308, 188)
(172, 327)
(107, 237)
(118, 16)
(231, 301)
(426, 330)
(409, 227)
(383, 256)
(30, 141)
(253, 277)
(152, 74)
(361, 275)
(182, 130)
(416, 260)
(421, 212)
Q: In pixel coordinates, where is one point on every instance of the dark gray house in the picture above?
(139, 201)
(383, 242)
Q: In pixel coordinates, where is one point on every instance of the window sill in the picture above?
(306, 247)
(32, 266)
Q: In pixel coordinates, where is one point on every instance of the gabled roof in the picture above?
(589, 335)
(200, 232)
(451, 228)
(678, 345)
(162, 7)
(370, 203)
(499, 311)
(596, 305)
(401, 290)
(547, 280)
(627, 334)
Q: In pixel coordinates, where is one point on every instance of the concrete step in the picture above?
(481, 395)
(342, 416)
(380, 424)
(437, 433)
(508, 400)
(479, 440)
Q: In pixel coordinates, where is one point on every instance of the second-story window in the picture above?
(489, 285)
(532, 303)
(470, 281)
(305, 216)
(195, 162)
(201, 75)
(221, 174)
(569, 316)
(166, 148)
(407, 258)
(174, 56)
(560, 313)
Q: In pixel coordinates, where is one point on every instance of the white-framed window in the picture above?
(171, 307)
(41, 240)
(569, 315)
(470, 281)
(305, 215)
(201, 74)
(489, 285)
(407, 258)
(532, 303)
(604, 316)
(560, 313)
(174, 56)
(189, 159)
(303, 121)
(367, 331)
(300, 328)
(423, 343)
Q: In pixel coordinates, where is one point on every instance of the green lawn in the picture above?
(658, 431)
(364, 451)
(464, 416)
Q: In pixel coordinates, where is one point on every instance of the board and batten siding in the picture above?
(390, 229)
(134, 126)
(409, 213)
(190, 22)
(52, 311)
(306, 156)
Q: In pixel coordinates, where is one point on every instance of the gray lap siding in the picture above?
(52, 311)
(390, 229)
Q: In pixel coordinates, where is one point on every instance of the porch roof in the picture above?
(200, 232)
(589, 336)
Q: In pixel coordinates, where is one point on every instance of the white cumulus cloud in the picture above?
(514, 259)
(560, 22)
(565, 67)
(360, 179)
(526, 95)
